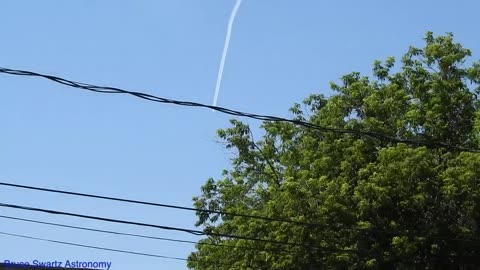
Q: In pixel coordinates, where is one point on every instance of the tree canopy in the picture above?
(364, 203)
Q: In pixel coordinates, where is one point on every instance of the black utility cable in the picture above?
(107, 249)
(93, 247)
(157, 204)
(195, 232)
(125, 234)
(114, 90)
(198, 210)
(343, 227)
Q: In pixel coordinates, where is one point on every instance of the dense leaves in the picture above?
(374, 204)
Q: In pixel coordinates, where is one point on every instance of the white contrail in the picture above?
(225, 50)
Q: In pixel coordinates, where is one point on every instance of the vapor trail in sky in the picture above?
(225, 50)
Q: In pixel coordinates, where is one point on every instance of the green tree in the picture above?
(377, 204)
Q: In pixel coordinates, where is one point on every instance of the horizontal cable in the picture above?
(126, 234)
(114, 90)
(104, 248)
(327, 226)
(93, 247)
(191, 231)
(94, 196)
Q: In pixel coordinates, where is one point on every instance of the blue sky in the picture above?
(58, 137)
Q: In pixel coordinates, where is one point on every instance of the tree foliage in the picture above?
(376, 204)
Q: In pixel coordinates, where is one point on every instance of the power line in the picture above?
(156, 204)
(102, 248)
(104, 231)
(114, 90)
(327, 226)
(125, 234)
(27, 208)
(110, 249)
(196, 232)
(191, 231)
(93, 247)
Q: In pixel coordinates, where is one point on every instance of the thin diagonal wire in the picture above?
(114, 90)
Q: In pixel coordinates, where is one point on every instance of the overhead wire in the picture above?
(118, 233)
(317, 225)
(125, 234)
(93, 247)
(94, 196)
(54, 212)
(190, 231)
(111, 249)
(115, 90)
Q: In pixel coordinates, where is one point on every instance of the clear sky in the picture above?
(59, 137)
